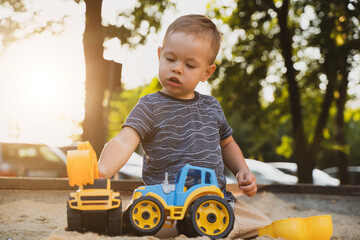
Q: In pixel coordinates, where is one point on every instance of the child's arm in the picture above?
(118, 151)
(234, 160)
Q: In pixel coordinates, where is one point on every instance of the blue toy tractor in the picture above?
(195, 201)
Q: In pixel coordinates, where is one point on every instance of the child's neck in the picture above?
(188, 97)
(194, 97)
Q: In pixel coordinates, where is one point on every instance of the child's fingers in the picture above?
(250, 190)
(244, 182)
(102, 171)
(246, 187)
(247, 183)
(246, 179)
(241, 177)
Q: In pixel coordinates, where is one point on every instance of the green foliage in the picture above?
(122, 103)
(132, 26)
(254, 56)
(154, 86)
(353, 136)
(320, 32)
(120, 107)
(137, 23)
(352, 130)
(22, 21)
(285, 149)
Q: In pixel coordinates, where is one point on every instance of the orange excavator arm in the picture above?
(82, 167)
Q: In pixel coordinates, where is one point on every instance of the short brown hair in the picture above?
(198, 25)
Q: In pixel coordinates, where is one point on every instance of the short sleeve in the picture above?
(225, 130)
(141, 118)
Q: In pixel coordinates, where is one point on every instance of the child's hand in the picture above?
(247, 182)
(102, 172)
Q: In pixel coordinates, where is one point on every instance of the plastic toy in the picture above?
(195, 201)
(310, 228)
(94, 207)
(82, 165)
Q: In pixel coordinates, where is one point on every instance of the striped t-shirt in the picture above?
(175, 132)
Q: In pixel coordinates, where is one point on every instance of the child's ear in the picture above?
(159, 52)
(209, 71)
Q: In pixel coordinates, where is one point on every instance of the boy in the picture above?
(177, 125)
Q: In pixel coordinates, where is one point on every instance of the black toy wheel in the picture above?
(184, 227)
(74, 219)
(146, 216)
(114, 224)
(211, 216)
(181, 227)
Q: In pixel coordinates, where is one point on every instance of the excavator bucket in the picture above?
(82, 167)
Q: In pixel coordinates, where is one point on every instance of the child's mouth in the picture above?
(174, 80)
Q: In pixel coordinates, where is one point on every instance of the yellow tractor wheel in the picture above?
(211, 216)
(146, 216)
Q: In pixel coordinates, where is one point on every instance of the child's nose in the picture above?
(177, 68)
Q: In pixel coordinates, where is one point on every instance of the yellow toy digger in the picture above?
(199, 207)
(94, 207)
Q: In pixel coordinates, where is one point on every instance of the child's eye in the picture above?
(190, 66)
(170, 59)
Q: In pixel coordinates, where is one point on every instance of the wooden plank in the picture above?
(351, 190)
(126, 185)
(27, 183)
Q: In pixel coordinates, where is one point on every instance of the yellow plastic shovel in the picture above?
(82, 167)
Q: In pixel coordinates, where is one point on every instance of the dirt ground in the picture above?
(36, 214)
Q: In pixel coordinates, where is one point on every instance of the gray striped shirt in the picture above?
(175, 132)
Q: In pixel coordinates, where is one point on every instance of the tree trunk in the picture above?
(330, 68)
(96, 80)
(341, 154)
(305, 164)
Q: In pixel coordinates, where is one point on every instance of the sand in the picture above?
(36, 214)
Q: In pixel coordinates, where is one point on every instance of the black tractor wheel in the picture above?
(181, 227)
(145, 215)
(210, 216)
(74, 219)
(114, 224)
(184, 227)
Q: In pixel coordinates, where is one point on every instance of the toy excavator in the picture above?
(94, 207)
(195, 201)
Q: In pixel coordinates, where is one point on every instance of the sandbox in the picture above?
(33, 209)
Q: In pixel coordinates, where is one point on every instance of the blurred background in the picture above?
(288, 79)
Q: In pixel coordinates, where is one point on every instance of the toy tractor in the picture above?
(94, 207)
(195, 201)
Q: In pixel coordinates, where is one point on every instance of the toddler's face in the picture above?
(183, 63)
